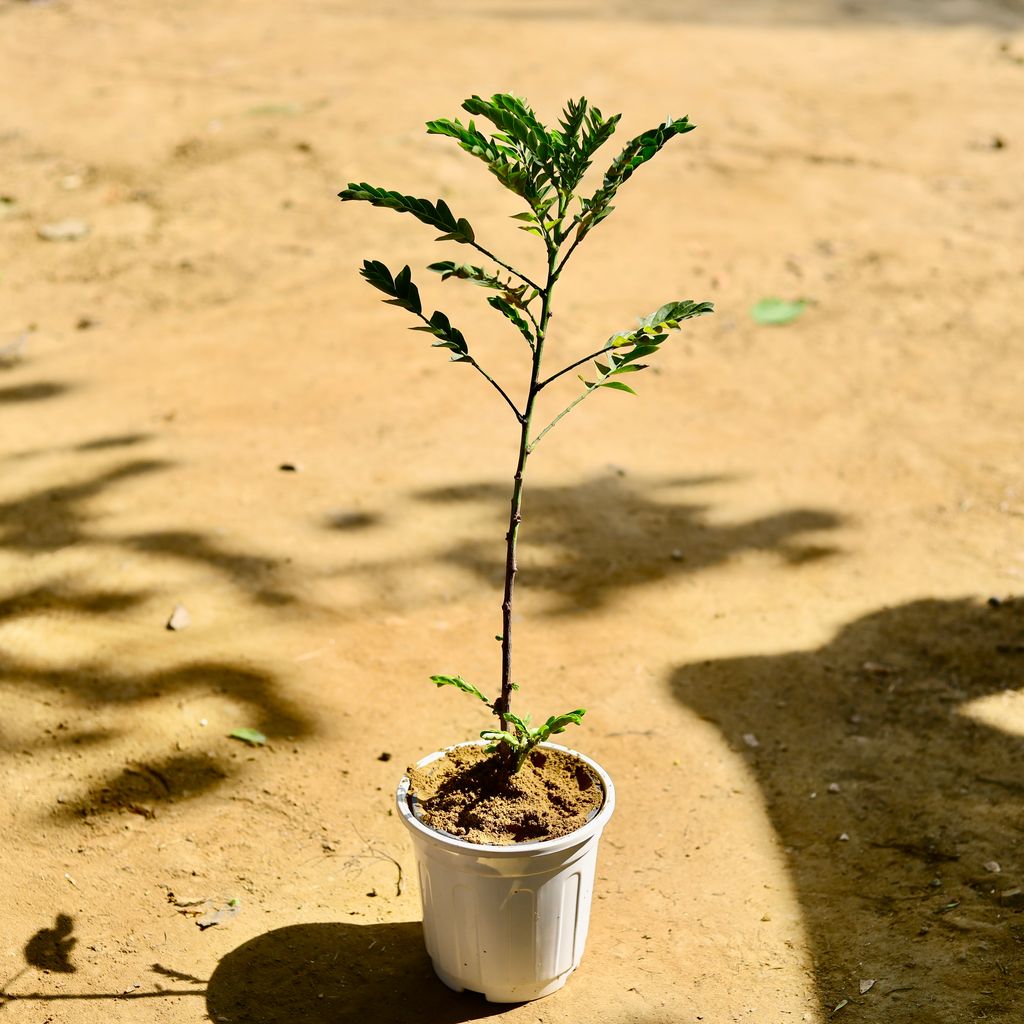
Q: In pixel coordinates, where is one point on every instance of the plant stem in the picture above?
(503, 704)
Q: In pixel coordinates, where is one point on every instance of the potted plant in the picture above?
(506, 828)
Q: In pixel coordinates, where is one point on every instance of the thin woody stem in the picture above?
(579, 362)
(502, 704)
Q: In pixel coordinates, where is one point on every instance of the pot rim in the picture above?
(577, 837)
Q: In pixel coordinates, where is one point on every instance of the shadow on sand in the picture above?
(899, 799)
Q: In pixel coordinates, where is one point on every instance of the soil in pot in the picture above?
(469, 794)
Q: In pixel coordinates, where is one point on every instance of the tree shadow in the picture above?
(34, 392)
(1006, 14)
(140, 788)
(583, 542)
(332, 973)
(48, 519)
(900, 809)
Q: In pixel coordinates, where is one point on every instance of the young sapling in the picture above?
(544, 168)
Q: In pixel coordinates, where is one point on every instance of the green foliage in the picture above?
(520, 739)
(459, 683)
(437, 214)
(638, 151)
(401, 289)
(447, 336)
(545, 168)
(505, 308)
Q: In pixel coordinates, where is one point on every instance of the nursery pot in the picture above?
(509, 922)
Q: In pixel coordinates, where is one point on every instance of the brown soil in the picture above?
(472, 795)
(767, 578)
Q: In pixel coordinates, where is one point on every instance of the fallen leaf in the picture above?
(866, 984)
(251, 736)
(776, 312)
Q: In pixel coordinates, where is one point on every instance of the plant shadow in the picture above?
(331, 973)
(893, 774)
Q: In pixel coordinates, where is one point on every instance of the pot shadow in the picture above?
(894, 777)
(331, 973)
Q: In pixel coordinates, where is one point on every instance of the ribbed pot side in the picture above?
(509, 922)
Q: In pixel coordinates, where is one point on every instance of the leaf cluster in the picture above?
(521, 738)
(624, 350)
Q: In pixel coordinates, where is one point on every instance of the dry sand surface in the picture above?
(768, 577)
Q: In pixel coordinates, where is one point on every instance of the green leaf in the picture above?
(653, 328)
(584, 131)
(500, 154)
(557, 723)
(506, 310)
(436, 215)
(400, 287)
(521, 726)
(448, 337)
(637, 152)
(775, 312)
(251, 736)
(513, 293)
(617, 385)
(459, 683)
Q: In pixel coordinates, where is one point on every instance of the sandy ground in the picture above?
(768, 578)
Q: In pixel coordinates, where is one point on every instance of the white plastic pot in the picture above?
(509, 922)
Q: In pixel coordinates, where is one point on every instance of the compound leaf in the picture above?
(506, 309)
(637, 152)
(459, 683)
(437, 215)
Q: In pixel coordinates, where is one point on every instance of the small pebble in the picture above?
(180, 618)
(993, 867)
(63, 231)
(843, 837)
(833, 787)
(290, 467)
(751, 740)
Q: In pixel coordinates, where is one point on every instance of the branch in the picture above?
(498, 387)
(580, 362)
(502, 263)
(572, 248)
(565, 412)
